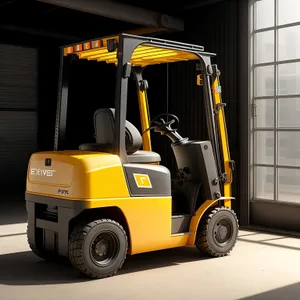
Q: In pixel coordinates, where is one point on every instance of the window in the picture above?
(288, 11)
(264, 147)
(264, 110)
(288, 113)
(288, 185)
(264, 14)
(264, 183)
(264, 81)
(288, 79)
(264, 46)
(275, 72)
(289, 42)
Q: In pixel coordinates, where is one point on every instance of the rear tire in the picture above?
(98, 249)
(217, 232)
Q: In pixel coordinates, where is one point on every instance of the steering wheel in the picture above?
(162, 126)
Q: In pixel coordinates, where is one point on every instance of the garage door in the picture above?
(18, 114)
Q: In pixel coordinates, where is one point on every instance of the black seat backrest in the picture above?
(104, 130)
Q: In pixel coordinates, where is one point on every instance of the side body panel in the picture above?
(149, 220)
(148, 180)
(95, 180)
(196, 219)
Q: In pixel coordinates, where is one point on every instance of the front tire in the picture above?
(98, 249)
(217, 232)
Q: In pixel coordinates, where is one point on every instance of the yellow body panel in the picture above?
(98, 180)
(77, 175)
(149, 220)
(196, 219)
(224, 141)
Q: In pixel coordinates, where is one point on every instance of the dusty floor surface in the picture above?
(262, 266)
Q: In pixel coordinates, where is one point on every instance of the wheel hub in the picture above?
(104, 248)
(222, 232)
(101, 248)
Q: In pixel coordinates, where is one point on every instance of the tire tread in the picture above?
(201, 239)
(76, 242)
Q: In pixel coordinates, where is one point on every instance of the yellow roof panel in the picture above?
(142, 56)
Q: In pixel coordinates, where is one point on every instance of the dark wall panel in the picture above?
(275, 215)
(18, 77)
(18, 140)
(18, 114)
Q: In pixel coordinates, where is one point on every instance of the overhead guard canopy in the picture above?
(143, 55)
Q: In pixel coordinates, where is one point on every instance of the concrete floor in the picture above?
(262, 266)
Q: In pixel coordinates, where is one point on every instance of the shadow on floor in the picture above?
(12, 234)
(24, 268)
(290, 292)
(265, 242)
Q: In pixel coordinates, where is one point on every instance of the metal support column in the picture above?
(62, 103)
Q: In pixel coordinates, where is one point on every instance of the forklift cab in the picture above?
(113, 198)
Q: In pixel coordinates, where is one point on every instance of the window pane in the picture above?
(264, 113)
(288, 11)
(288, 185)
(289, 43)
(264, 47)
(288, 79)
(264, 147)
(289, 148)
(264, 14)
(264, 183)
(264, 81)
(289, 113)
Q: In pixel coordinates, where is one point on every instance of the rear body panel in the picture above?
(80, 181)
(76, 175)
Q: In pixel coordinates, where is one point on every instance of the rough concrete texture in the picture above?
(262, 266)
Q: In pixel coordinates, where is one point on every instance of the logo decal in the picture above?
(63, 192)
(142, 181)
(42, 172)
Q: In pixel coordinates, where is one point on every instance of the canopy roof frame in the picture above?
(150, 51)
(120, 50)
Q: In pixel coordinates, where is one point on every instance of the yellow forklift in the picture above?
(106, 200)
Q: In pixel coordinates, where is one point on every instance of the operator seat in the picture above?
(104, 133)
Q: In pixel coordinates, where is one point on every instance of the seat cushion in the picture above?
(139, 156)
(144, 157)
(93, 147)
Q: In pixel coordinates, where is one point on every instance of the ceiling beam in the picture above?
(123, 12)
(147, 31)
(57, 38)
(197, 4)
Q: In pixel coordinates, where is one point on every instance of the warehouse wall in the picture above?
(18, 113)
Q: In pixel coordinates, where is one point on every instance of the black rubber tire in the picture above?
(80, 244)
(205, 239)
(41, 253)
